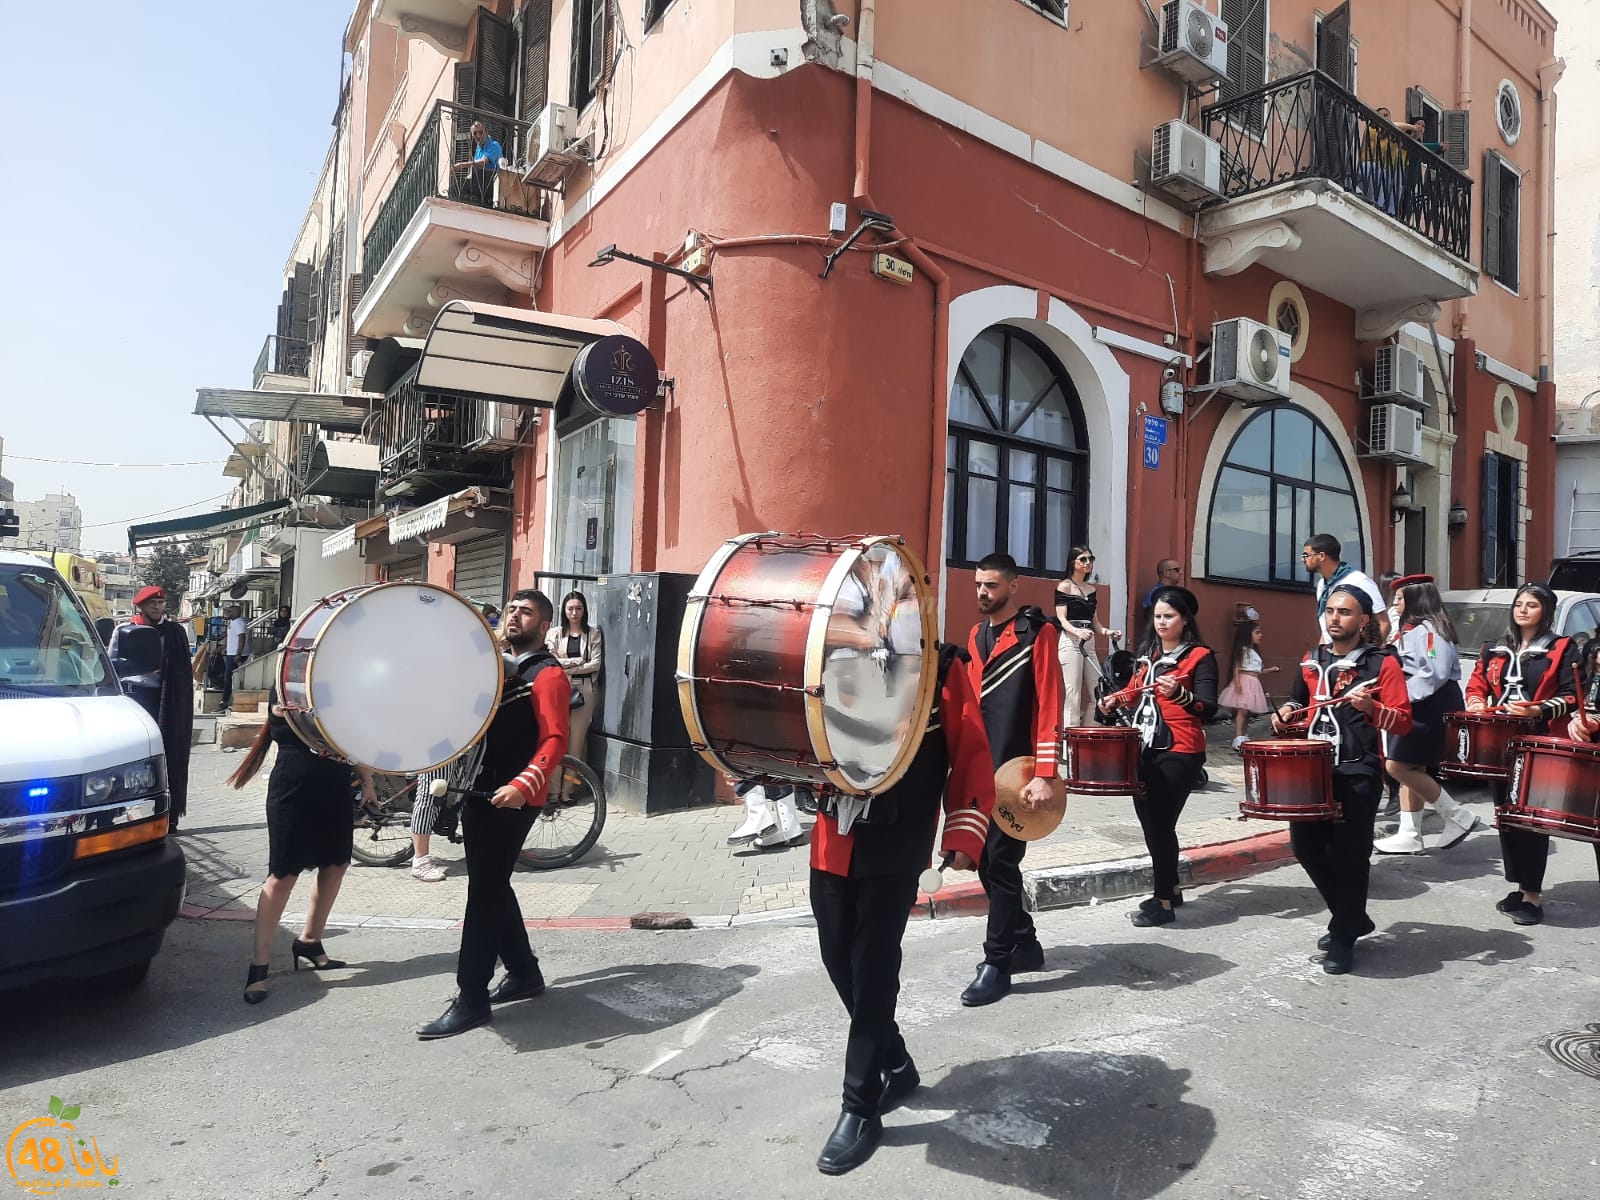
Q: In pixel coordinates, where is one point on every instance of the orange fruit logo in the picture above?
(46, 1154)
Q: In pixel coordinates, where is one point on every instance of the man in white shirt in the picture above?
(1327, 570)
(233, 653)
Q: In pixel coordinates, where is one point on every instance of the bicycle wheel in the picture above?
(383, 836)
(571, 822)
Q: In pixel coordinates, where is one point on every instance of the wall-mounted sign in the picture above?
(615, 376)
(887, 266)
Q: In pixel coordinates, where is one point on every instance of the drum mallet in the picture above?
(439, 789)
(931, 880)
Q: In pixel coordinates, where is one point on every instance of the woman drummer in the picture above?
(1174, 693)
(1532, 673)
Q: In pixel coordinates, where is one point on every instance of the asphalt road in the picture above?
(1212, 1058)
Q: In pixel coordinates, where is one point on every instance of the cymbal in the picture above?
(1026, 824)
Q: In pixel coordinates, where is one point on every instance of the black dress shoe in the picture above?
(1147, 918)
(458, 1018)
(1028, 956)
(897, 1085)
(1527, 914)
(852, 1142)
(1512, 902)
(1150, 903)
(1341, 957)
(990, 984)
(517, 987)
(1326, 939)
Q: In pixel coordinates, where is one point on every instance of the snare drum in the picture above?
(1475, 744)
(399, 677)
(1555, 788)
(1288, 779)
(1102, 760)
(810, 660)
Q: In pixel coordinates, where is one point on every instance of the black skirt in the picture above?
(1423, 744)
(310, 807)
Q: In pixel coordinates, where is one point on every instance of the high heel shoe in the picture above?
(258, 973)
(311, 952)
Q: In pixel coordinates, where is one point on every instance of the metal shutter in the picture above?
(408, 568)
(481, 569)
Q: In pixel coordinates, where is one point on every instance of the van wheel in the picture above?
(123, 979)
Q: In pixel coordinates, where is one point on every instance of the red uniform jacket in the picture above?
(1185, 713)
(1021, 699)
(552, 707)
(1354, 735)
(1549, 680)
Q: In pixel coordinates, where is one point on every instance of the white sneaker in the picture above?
(1239, 741)
(1407, 841)
(1457, 825)
(426, 870)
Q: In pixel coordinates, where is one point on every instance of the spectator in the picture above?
(480, 170)
(491, 614)
(233, 653)
(281, 624)
(1320, 557)
(1076, 603)
(578, 647)
(1169, 573)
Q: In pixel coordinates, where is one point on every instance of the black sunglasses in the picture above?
(1085, 558)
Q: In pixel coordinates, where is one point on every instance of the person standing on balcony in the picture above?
(481, 168)
(151, 657)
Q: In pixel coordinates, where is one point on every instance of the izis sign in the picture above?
(615, 376)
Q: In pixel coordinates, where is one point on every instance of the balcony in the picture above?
(431, 445)
(447, 234)
(284, 364)
(1320, 189)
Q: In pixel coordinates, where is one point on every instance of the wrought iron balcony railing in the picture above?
(282, 356)
(420, 433)
(440, 164)
(1308, 127)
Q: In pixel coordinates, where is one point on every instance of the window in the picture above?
(1502, 499)
(594, 502)
(1508, 112)
(1247, 54)
(1017, 464)
(1502, 218)
(591, 44)
(652, 12)
(1050, 8)
(1282, 480)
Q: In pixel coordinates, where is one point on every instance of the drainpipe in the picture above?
(1549, 75)
(1463, 101)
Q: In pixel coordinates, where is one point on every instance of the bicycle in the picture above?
(565, 830)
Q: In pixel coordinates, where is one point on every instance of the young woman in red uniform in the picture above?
(1181, 673)
(1531, 673)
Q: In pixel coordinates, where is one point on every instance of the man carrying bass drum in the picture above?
(863, 883)
(525, 744)
(1532, 673)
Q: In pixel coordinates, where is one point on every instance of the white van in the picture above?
(89, 879)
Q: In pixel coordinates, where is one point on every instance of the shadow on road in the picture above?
(1138, 966)
(1412, 948)
(1068, 1125)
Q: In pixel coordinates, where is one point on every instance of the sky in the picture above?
(148, 211)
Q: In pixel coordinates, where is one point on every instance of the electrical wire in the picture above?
(164, 512)
(73, 462)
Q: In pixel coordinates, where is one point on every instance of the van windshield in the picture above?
(1477, 623)
(46, 645)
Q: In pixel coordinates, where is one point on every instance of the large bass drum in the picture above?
(399, 677)
(809, 659)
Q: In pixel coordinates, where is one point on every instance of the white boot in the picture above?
(1459, 820)
(787, 829)
(757, 817)
(1409, 838)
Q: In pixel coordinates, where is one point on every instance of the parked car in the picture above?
(1482, 615)
(1577, 572)
(89, 879)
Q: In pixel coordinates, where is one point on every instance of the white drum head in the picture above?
(405, 677)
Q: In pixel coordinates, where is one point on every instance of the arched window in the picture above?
(1017, 465)
(1282, 480)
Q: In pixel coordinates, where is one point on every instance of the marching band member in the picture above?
(863, 882)
(1532, 673)
(1015, 674)
(1360, 689)
(1182, 674)
(1585, 723)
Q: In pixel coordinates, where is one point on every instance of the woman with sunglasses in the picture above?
(1077, 601)
(1532, 673)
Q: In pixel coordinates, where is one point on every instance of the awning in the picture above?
(226, 520)
(343, 470)
(466, 513)
(514, 354)
(391, 358)
(337, 543)
(342, 414)
(238, 464)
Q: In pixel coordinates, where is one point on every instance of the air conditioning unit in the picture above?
(1185, 163)
(1397, 375)
(550, 142)
(1250, 360)
(1194, 43)
(1395, 433)
(359, 362)
(495, 426)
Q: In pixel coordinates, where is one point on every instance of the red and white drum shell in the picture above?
(809, 659)
(1102, 760)
(1554, 789)
(1477, 744)
(1288, 779)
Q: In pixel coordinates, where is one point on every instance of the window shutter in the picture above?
(596, 66)
(535, 82)
(354, 343)
(495, 59)
(1510, 225)
(466, 83)
(1333, 45)
(1491, 214)
(1454, 129)
(1413, 105)
(1491, 520)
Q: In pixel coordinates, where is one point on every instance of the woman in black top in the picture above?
(1076, 603)
(309, 827)
(281, 624)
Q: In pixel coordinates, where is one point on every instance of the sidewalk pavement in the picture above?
(676, 868)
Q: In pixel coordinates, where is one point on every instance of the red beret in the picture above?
(1408, 580)
(149, 593)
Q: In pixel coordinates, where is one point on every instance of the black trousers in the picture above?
(1168, 779)
(1524, 854)
(1000, 870)
(493, 928)
(1338, 855)
(859, 926)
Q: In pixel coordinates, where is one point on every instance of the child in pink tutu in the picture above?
(1244, 693)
